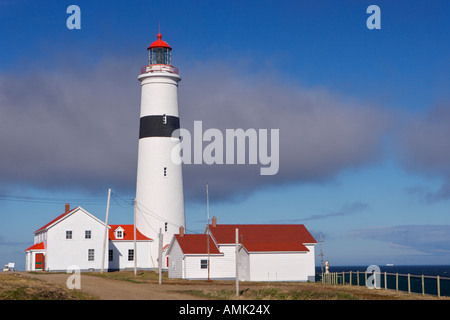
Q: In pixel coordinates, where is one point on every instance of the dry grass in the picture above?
(14, 286)
(225, 290)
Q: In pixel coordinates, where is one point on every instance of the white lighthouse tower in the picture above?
(159, 187)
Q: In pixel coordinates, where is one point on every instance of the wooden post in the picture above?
(423, 286)
(237, 265)
(396, 282)
(409, 283)
(385, 280)
(207, 232)
(160, 236)
(350, 278)
(365, 278)
(106, 231)
(357, 278)
(438, 287)
(135, 237)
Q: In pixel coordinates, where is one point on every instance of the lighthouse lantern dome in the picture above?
(159, 52)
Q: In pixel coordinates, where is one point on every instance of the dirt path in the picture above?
(108, 289)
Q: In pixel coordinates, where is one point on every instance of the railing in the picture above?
(393, 281)
(159, 68)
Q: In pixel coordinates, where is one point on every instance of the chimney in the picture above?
(181, 231)
(214, 221)
(67, 207)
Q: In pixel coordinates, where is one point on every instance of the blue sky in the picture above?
(363, 117)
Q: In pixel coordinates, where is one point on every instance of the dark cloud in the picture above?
(431, 239)
(78, 128)
(320, 133)
(424, 147)
(70, 128)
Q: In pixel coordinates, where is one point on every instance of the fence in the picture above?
(394, 281)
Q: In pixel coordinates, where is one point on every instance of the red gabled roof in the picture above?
(56, 219)
(36, 246)
(196, 244)
(128, 232)
(159, 43)
(264, 237)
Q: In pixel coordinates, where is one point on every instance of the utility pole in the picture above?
(160, 236)
(106, 231)
(207, 230)
(135, 247)
(237, 264)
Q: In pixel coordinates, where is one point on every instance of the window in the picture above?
(119, 233)
(87, 234)
(203, 264)
(131, 255)
(110, 255)
(69, 234)
(91, 254)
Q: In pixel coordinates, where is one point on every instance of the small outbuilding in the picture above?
(266, 252)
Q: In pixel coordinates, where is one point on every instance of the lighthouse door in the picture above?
(39, 261)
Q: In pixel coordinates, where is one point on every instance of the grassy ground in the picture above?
(225, 290)
(14, 286)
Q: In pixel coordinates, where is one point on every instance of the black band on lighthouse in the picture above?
(158, 126)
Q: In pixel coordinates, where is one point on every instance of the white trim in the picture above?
(68, 215)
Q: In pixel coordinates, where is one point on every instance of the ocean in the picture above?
(416, 271)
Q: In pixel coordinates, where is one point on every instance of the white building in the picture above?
(76, 237)
(267, 252)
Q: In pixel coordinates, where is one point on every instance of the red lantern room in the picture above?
(159, 58)
(159, 52)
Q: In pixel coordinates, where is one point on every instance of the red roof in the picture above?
(265, 237)
(196, 244)
(36, 246)
(128, 233)
(54, 220)
(159, 43)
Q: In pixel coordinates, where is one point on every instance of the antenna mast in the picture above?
(321, 254)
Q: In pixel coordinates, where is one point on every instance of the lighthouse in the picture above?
(159, 186)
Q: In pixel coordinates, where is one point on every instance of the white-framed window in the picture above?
(203, 264)
(91, 253)
(110, 255)
(87, 234)
(130, 254)
(68, 234)
(119, 233)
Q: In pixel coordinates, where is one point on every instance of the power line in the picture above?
(16, 198)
